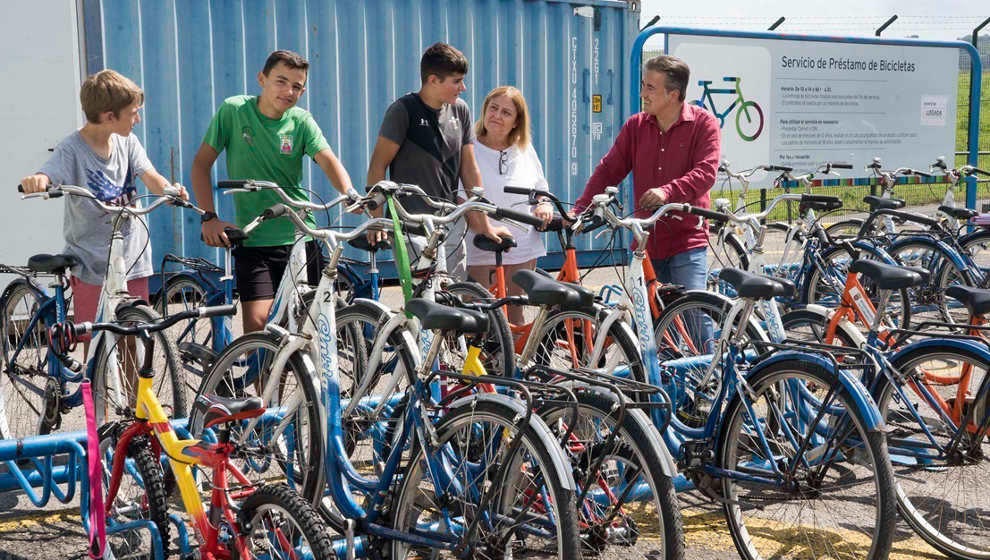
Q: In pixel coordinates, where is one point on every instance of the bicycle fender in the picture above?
(853, 386)
(560, 463)
(638, 415)
(131, 302)
(875, 250)
(370, 305)
(956, 344)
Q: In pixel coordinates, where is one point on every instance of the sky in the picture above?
(941, 20)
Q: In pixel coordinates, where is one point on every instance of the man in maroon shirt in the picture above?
(672, 149)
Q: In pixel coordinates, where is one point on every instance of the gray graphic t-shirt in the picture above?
(87, 228)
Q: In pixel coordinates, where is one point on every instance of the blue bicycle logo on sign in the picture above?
(749, 117)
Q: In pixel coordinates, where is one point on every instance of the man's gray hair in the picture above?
(676, 71)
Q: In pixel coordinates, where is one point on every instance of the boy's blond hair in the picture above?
(108, 91)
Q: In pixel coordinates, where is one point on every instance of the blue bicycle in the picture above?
(734, 433)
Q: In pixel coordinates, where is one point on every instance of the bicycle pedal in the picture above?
(191, 351)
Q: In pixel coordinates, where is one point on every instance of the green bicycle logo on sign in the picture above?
(749, 117)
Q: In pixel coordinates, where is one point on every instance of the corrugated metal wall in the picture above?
(189, 55)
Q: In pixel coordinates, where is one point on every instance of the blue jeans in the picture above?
(689, 269)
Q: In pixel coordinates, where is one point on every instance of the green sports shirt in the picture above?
(265, 149)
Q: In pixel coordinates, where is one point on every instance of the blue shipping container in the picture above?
(569, 58)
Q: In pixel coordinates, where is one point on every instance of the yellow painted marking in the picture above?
(35, 520)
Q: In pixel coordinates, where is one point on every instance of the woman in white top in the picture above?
(506, 158)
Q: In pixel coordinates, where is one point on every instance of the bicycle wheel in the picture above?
(184, 293)
(945, 499)
(626, 504)
(977, 244)
(567, 341)
(365, 428)
(839, 502)
(115, 370)
(142, 496)
(728, 252)
(844, 230)
(686, 333)
(24, 379)
(290, 440)
(827, 289)
(928, 301)
(530, 511)
(802, 324)
(278, 523)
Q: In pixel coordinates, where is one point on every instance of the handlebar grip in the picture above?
(218, 310)
(710, 214)
(519, 190)
(556, 224)
(232, 184)
(235, 235)
(20, 188)
(782, 168)
(275, 211)
(980, 171)
(824, 201)
(518, 216)
(920, 173)
(841, 166)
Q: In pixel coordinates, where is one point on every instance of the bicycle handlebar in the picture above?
(170, 196)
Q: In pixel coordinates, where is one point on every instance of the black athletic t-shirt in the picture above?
(430, 143)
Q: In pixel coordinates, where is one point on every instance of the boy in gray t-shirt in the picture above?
(104, 157)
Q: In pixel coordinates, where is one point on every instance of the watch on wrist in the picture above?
(207, 216)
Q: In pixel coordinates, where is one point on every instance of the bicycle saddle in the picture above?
(435, 316)
(888, 276)
(52, 264)
(958, 213)
(219, 410)
(543, 290)
(363, 244)
(486, 244)
(756, 286)
(977, 300)
(877, 203)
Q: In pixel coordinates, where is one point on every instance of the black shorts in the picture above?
(258, 270)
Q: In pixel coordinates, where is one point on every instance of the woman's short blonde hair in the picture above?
(519, 136)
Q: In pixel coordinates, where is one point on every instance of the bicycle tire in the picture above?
(754, 513)
(148, 500)
(630, 449)
(563, 345)
(253, 352)
(276, 509)
(928, 256)
(844, 229)
(22, 409)
(169, 384)
(939, 496)
(532, 451)
(731, 253)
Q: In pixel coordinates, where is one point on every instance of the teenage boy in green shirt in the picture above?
(266, 137)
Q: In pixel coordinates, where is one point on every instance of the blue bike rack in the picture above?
(31, 468)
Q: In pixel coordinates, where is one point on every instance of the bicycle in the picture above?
(242, 519)
(527, 459)
(933, 394)
(752, 131)
(34, 386)
(743, 451)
